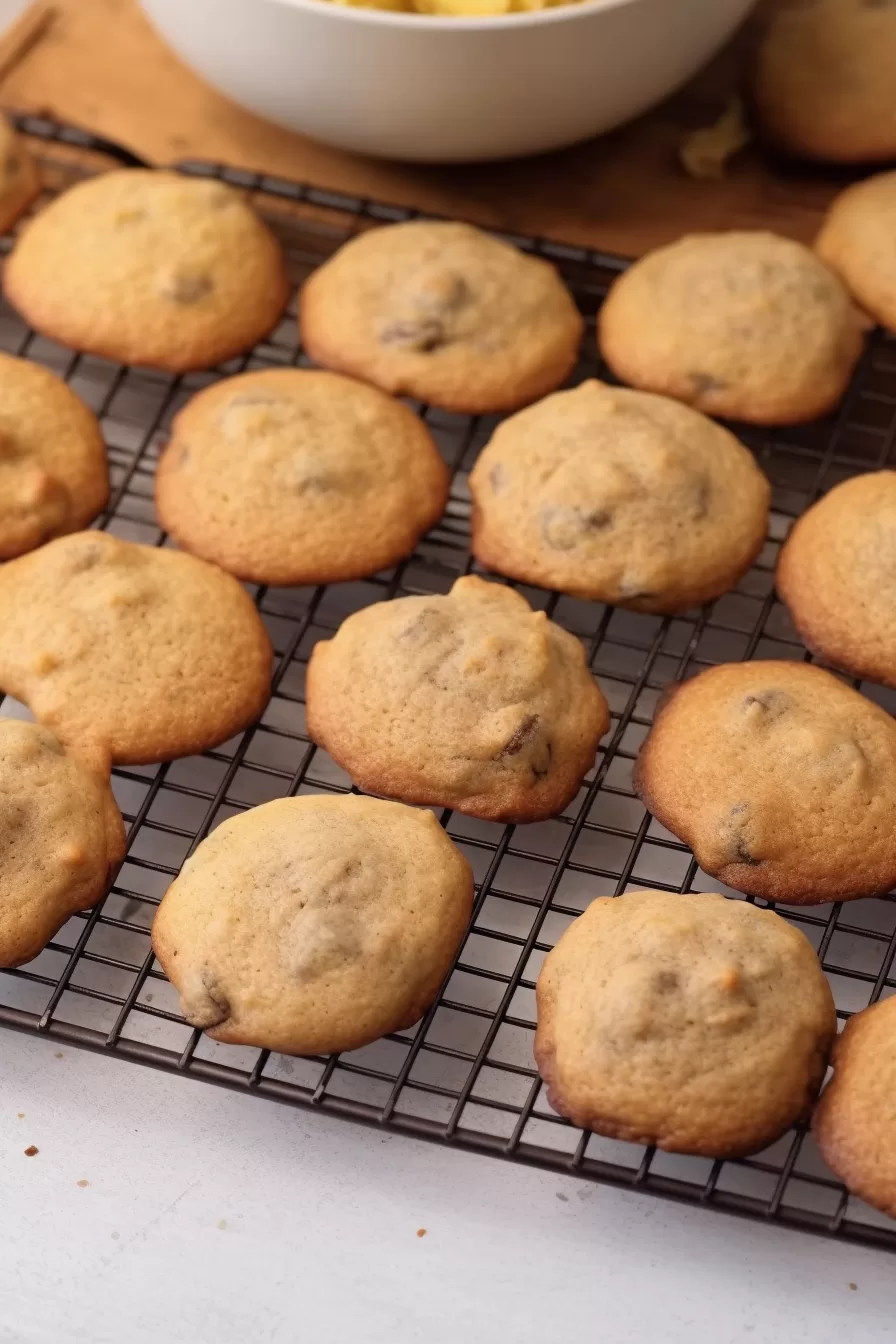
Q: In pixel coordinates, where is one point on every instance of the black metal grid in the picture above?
(465, 1075)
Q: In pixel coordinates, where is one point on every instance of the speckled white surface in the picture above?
(211, 1216)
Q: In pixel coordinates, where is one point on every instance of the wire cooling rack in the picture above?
(465, 1075)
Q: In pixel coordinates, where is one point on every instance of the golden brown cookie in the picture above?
(54, 477)
(471, 701)
(149, 267)
(314, 924)
(856, 240)
(143, 653)
(61, 838)
(836, 573)
(781, 778)
(620, 496)
(824, 83)
(855, 1121)
(19, 176)
(292, 476)
(696, 1023)
(444, 313)
(745, 325)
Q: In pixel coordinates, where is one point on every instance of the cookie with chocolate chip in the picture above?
(780, 778)
(620, 496)
(54, 477)
(471, 701)
(824, 84)
(133, 652)
(854, 1123)
(696, 1023)
(294, 476)
(149, 267)
(836, 572)
(314, 924)
(19, 176)
(748, 326)
(61, 837)
(444, 313)
(856, 238)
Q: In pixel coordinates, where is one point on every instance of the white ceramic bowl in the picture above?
(409, 86)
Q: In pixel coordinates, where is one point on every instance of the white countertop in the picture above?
(211, 1216)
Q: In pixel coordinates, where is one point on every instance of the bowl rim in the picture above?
(565, 12)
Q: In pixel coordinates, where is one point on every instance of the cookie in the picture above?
(444, 313)
(748, 326)
(781, 779)
(619, 496)
(62, 838)
(696, 1023)
(54, 477)
(141, 653)
(856, 240)
(823, 84)
(149, 267)
(855, 1121)
(835, 575)
(471, 701)
(314, 924)
(291, 476)
(19, 177)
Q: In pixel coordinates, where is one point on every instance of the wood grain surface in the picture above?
(101, 66)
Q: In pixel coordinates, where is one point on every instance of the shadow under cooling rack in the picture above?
(465, 1074)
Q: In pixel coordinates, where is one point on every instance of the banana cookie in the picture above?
(855, 1121)
(857, 238)
(19, 177)
(444, 313)
(471, 701)
(149, 267)
(314, 924)
(696, 1023)
(748, 326)
(61, 838)
(291, 476)
(836, 573)
(54, 477)
(781, 778)
(620, 496)
(824, 84)
(142, 653)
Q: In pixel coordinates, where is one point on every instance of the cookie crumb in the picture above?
(421, 1231)
(31, 1151)
(852, 1286)
(705, 153)
(57, 1054)
(20, 1115)
(81, 1184)
(222, 1224)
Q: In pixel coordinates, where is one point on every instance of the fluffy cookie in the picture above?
(824, 81)
(293, 476)
(53, 472)
(471, 701)
(781, 779)
(695, 1023)
(19, 177)
(143, 653)
(314, 924)
(836, 573)
(61, 837)
(619, 496)
(744, 325)
(856, 238)
(443, 313)
(148, 267)
(855, 1121)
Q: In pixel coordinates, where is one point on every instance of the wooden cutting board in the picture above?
(101, 66)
